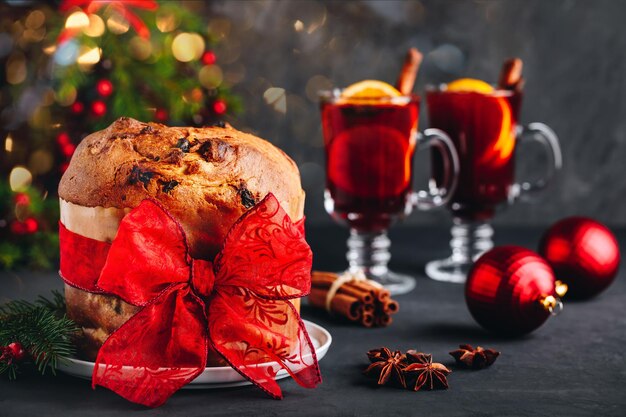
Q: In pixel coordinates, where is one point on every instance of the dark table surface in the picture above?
(574, 365)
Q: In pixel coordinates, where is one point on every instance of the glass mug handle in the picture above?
(546, 136)
(438, 196)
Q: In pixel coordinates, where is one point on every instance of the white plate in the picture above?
(214, 377)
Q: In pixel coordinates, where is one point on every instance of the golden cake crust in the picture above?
(206, 177)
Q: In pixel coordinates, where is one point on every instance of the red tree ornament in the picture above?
(511, 290)
(63, 138)
(161, 115)
(219, 106)
(104, 87)
(31, 225)
(78, 107)
(583, 253)
(98, 108)
(208, 58)
(22, 199)
(68, 149)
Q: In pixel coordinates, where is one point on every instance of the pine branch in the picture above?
(41, 327)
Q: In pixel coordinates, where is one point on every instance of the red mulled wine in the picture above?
(369, 151)
(483, 129)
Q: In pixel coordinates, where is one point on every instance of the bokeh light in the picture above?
(96, 26)
(16, 68)
(210, 76)
(187, 47)
(166, 22)
(140, 48)
(89, 56)
(118, 24)
(77, 20)
(276, 98)
(20, 178)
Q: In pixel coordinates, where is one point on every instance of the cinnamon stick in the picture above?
(343, 305)
(383, 320)
(406, 79)
(368, 319)
(358, 301)
(325, 281)
(391, 307)
(511, 74)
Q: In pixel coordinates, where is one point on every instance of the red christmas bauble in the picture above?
(77, 107)
(219, 106)
(583, 253)
(104, 87)
(511, 290)
(209, 58)
(98, 108)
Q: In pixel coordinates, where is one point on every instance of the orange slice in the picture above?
(470, 85)
(370, 89)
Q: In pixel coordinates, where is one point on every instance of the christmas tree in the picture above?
(73, 70)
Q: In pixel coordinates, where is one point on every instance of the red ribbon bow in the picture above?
(238, 304)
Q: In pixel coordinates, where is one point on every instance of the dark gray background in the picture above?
(575, 69)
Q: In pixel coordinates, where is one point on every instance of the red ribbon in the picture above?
(237, 304)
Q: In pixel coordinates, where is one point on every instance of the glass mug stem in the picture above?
(368, 252)
(469, 240)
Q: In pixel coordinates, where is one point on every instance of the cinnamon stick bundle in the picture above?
(357, 301)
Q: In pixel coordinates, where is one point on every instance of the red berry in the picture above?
(208, 58)
(68, 149)
(22, 199)
(17, 351)
(64, 166)
(31, 225)
(18, 227)
(219, 106)
(63, 138)
(104, 87)
(98, 108)
(161, 115)
(78, 107)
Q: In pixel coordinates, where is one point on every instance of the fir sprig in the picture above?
(41, 327)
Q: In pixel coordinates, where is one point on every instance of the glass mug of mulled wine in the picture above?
(369, 144)
(485, 131)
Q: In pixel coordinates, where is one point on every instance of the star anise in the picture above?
(386, 366)
(468, 357)
(422, 373)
